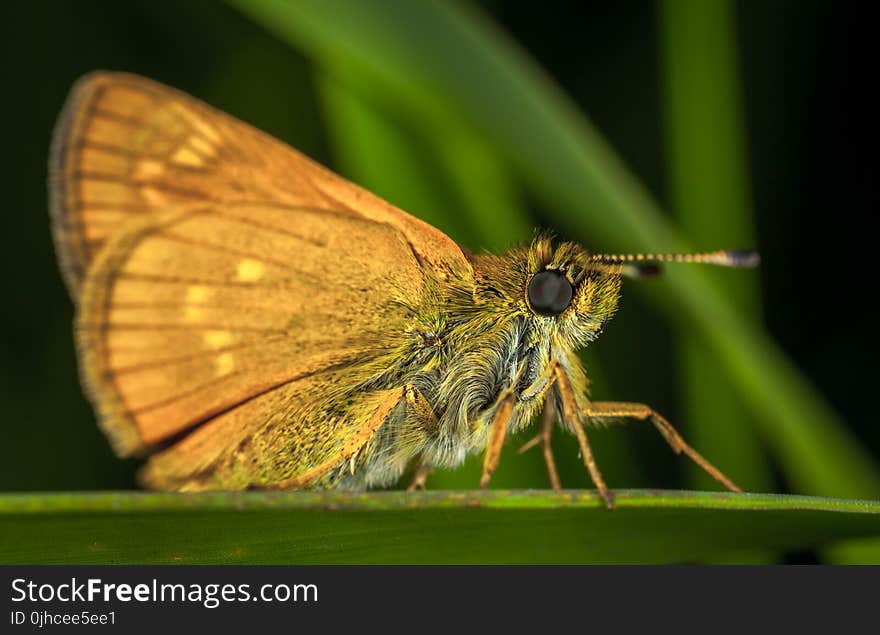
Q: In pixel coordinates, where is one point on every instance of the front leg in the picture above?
(501, 419)
(553, 374)
(497, 434)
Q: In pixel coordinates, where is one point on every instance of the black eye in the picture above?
(549, 293)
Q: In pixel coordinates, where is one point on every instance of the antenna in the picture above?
(646, 265)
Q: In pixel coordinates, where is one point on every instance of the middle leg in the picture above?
(571, 417)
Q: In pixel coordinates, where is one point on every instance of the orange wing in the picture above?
(225, 283)
(189, 314)
(126, 146)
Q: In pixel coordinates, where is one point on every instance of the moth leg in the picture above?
(419, 477)
(497, 433)
(498, 427)
(603, 409)
(543, 437)
(572, 420)
(538, 389)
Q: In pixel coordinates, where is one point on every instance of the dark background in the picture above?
(809, 74)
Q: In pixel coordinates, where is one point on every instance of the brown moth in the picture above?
(248, 319)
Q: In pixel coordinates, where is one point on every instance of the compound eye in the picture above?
(549, 293)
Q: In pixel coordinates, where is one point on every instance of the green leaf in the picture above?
(520, 526)
(377, 153)
(708, 183)
(441, 60)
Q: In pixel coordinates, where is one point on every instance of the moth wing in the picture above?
(279, 439)
(228, 338)
(188, 314)
(126, 146)
(227, 285)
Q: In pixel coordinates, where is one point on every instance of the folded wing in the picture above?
(227, 286)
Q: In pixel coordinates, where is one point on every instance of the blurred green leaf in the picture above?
(444, 59)
(425, 527)
(485, 188)
(709, 192)
(377, 154)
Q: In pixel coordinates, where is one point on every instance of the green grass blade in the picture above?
(376, 152)
(709, 190)
(427, 527)
(444, 173)
(438, 57)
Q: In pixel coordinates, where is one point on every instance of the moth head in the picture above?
(566, 293)
(574, 293)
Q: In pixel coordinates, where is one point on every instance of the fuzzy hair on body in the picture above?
(470, 341)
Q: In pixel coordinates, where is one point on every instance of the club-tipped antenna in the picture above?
(645, 265)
